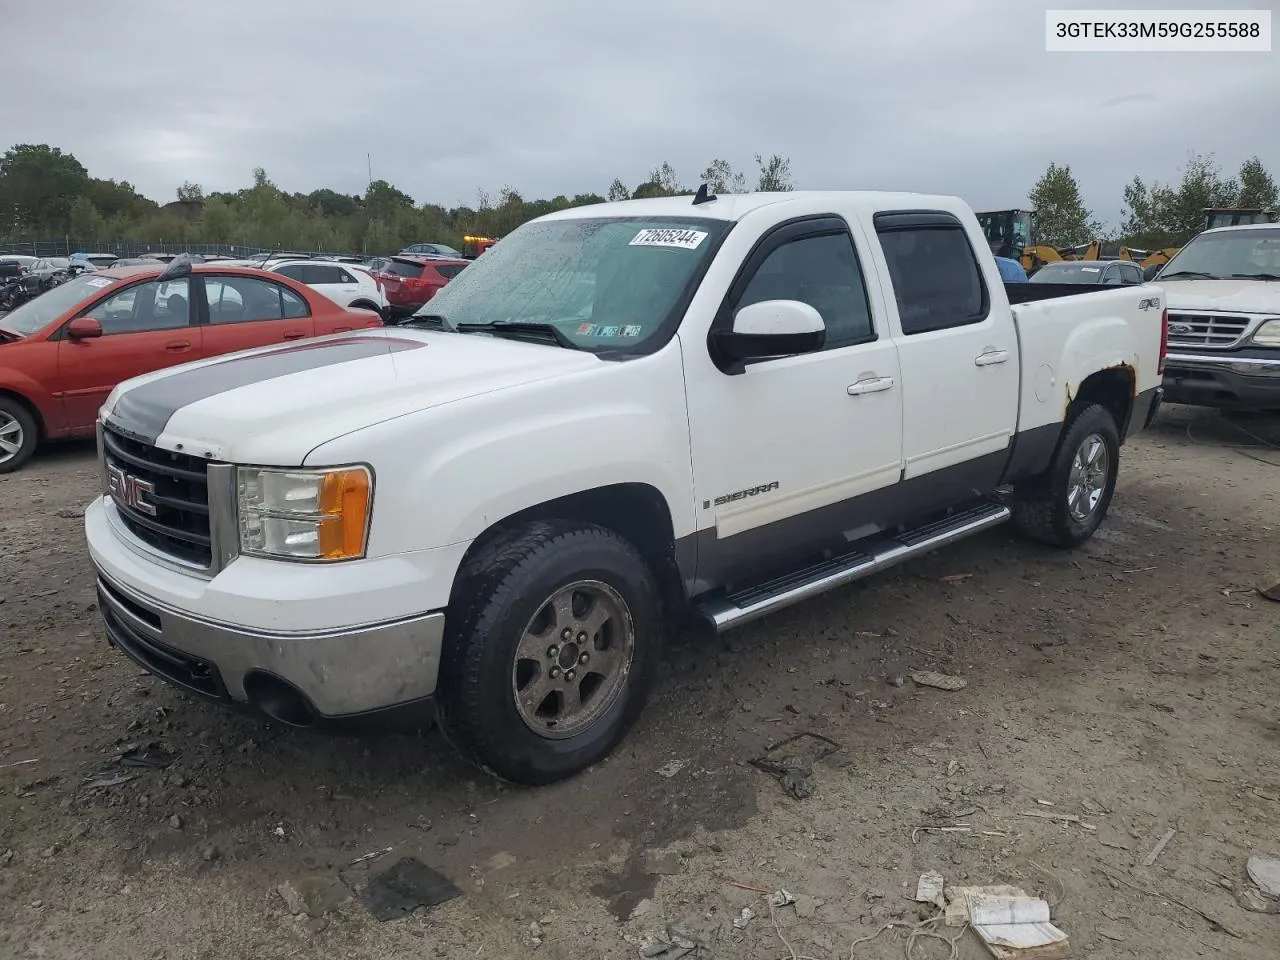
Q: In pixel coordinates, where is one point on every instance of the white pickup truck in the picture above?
(620, 413)
(1224, 319)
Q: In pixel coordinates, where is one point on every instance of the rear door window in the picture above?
(935, 275)
(248, 299)
(404, 268)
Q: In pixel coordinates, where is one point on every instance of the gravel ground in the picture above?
(1129, 685)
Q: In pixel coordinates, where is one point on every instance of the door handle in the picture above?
(870, 385)
(177, 346)
(293, 335)
(990, 357)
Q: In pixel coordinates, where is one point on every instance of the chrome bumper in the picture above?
(343, 673)
(1243, 366)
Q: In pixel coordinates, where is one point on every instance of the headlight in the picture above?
(304, 514)
(1268, 335)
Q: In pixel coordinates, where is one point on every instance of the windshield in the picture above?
(606, 283)
(1229, 254)
(1067, 273)
(43, 310)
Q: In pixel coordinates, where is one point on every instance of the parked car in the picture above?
(754, 400)
(344, 284)
(1224, 319)
(21, 260)
(411, 281)
(98, 260)
(440, 251)
(62, 353)
(1105, 272)
(50, 271)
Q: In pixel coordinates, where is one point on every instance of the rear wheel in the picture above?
(552, 645)
(18, 435)
(1064, 505)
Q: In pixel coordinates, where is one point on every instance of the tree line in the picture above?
(46, 193)
(1156, 215)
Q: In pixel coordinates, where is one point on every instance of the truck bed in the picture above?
(1031, 292)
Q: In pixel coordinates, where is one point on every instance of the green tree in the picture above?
(775, 174)
(1257, 187)
(84, 220)
(190, 192)
(1181, 211)
(666, 181)
(618, 190)
(38, 184)
(720, 177)
(1062, 219)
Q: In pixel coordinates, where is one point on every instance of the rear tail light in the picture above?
(1164, 340)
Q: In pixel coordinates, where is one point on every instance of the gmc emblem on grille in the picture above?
(130, 491)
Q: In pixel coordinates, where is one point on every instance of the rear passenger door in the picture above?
(242, 312)
(958, 349)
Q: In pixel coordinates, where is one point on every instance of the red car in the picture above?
(410, 281)
(62, 353)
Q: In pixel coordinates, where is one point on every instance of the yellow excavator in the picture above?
(1011, 234)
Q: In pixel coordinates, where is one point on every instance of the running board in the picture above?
(868, 558)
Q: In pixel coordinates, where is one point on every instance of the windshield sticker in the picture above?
(1091, 269)
(99, 282)
(631, 331)
(608, 331)
(684, 239)
(586, 329)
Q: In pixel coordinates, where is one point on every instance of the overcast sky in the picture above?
(561, 96)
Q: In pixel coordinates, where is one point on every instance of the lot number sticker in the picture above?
(667, 237)
(100, 282)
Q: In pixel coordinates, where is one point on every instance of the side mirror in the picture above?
(84, 328)
(772, 328)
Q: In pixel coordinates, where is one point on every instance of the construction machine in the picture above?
(1011, 233)
(1238, 216)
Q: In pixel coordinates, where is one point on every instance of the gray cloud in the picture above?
(561, 96)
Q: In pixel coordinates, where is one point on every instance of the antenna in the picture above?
(704, 195)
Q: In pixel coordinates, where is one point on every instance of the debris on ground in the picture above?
(149, 756)
(406, 885)
(940, 681)
(1271, 592)
(781, 898)
(792, 760)
(672, 944)
(1159, 848)
(103, 781)
(315, 894)
(743, 918)
(671, 768)
(1264, 870)
(1013, 926)
(371, 856)
(929, 889)
(955, 577)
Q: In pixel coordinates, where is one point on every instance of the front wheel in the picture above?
(18, 435)
(552, 644)
(1064, 505)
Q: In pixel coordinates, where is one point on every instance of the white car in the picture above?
(620, 413)
(343, 283)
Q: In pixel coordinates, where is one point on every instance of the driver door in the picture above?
(790, 453)
(145, 327)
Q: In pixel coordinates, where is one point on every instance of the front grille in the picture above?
(178, 493)
(1206, 330)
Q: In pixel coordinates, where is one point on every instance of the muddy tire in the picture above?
(19, 434)
(1063, 506)
(552, 645)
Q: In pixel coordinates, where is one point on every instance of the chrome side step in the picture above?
(869, 557)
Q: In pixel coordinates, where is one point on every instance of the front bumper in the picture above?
(321, 676)
(1239, 379)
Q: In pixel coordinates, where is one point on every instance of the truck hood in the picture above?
(1227, 296)
(274, 406)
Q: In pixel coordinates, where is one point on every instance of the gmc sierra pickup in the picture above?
(619, 413)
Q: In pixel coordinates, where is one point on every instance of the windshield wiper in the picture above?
(520, 328)
(1255, 276)
(1191, 273)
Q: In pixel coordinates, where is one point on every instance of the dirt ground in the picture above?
(1131, 685)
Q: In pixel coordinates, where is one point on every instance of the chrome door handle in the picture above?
(870, 385)
(990, 357)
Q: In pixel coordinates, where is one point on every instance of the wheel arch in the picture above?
(1114, 388)
(42, 429)
(637, 512)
